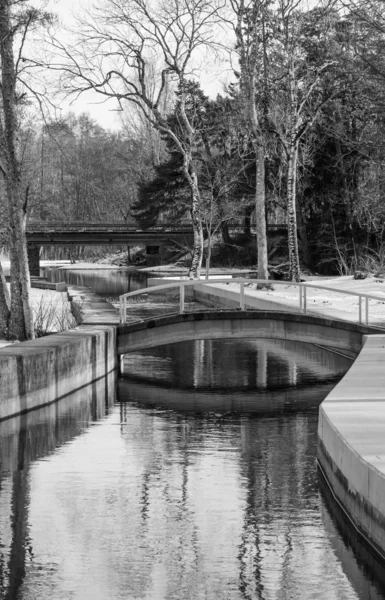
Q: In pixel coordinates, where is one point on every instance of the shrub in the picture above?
(52, 315)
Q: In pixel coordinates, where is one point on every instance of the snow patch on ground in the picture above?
(52, 312)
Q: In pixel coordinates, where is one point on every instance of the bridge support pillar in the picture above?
(34, 259)
(153, 257)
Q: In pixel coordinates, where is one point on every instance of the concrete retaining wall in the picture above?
(351, 449)
(35, 373)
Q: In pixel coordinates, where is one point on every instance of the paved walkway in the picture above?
(325, 302)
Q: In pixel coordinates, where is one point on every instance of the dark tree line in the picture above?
(337, 131)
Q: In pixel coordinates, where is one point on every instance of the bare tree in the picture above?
(16, 18)
(119, 42)
(296, 97)
(250, 31)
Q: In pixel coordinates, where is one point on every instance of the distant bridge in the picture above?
(115, 234)
(101, 234)
(98, 234)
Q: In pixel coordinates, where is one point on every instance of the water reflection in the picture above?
(228, 365)
(171, 493)
(362, 567)
(24, 440)
(222, 401)
(105, 282)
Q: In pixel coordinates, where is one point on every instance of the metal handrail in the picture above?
(303, 287)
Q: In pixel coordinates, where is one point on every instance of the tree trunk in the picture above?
(294, 269)
(247, 221)
(260, 213)
(208, 254)
(225, 234)
(347, 197)
(196, 260)
(302, 233)
(21, 321)
(5, 303)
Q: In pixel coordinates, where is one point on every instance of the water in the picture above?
(191, 477)
(105, 282)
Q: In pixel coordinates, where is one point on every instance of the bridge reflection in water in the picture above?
(149, 498)
(260, 376)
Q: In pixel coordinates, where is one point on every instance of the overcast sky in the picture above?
(213, 77)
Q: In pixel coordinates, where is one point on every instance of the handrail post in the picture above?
(124, 310)
(181, 298)
(121, 310)
(300, 298)
(242, 295)
(304, 300)
(359, 308)
(366, 311)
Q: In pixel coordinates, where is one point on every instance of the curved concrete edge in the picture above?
(168, 329)
(39, 372)
(351, 442)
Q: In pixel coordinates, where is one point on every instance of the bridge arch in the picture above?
(337, 335)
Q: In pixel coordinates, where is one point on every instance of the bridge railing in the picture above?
(182, 226)
(79, 226)
(304, 291)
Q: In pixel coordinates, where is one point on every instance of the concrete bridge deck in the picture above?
(234, 324)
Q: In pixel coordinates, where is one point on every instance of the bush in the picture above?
(52, 315)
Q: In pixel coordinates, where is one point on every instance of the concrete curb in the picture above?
(351, 442)
(40, 283)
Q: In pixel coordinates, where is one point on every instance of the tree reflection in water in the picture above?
(200, 482)
(24, 440)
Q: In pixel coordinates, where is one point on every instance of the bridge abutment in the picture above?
(34, 259)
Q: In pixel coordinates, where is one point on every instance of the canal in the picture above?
(191, 476)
